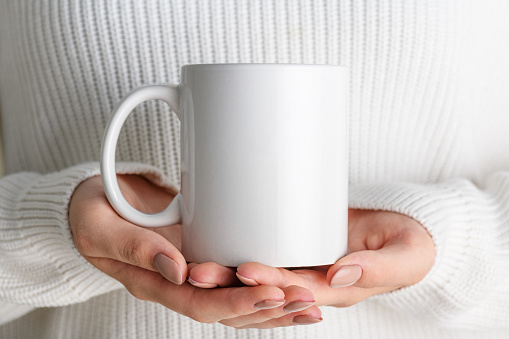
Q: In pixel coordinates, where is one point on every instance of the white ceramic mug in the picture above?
(264, 167)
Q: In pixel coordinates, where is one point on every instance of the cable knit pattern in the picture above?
(428, 139)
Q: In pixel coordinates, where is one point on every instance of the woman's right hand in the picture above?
(149, 264)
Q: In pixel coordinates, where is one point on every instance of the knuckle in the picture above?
(236, 301)
(133, 251)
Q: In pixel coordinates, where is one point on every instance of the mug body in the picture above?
(264, 163)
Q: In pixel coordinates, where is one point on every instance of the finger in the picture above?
(212, 305)
(309, 317)
(146, 249)
(297, 299)
(210, 275)
(203, 305)
(254, 273)
(314, 280)
(402, 261)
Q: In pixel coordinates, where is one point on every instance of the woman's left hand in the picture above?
(386, 251)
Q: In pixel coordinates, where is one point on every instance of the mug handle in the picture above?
(170, 215)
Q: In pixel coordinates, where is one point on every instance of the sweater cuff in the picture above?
(453, 284)
(46, 228)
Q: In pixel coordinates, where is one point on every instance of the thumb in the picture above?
(149, 250)
(395, 265)
(132, 245)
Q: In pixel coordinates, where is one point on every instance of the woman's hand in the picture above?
(149, 264)
(386, 251)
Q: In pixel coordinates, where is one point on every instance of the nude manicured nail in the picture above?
(268, 304)
(298, 305)
(247, 281)
(168, 268)
(305, 320)
(200, 284)
(346, 276)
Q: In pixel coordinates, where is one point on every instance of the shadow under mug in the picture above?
(264, 163)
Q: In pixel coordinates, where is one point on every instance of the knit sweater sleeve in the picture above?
(39, 264)
(468, 286)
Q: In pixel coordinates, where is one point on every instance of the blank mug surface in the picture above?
(264, 161)
(264, 167)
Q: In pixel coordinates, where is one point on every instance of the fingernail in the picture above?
(247, 281)
(346, 276)
(268, 304)
(296, 306)
(305, 320)
(200, 284)
(168, 268)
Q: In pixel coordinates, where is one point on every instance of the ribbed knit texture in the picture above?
(428, 138)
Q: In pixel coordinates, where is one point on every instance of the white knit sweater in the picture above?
(428, 138)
